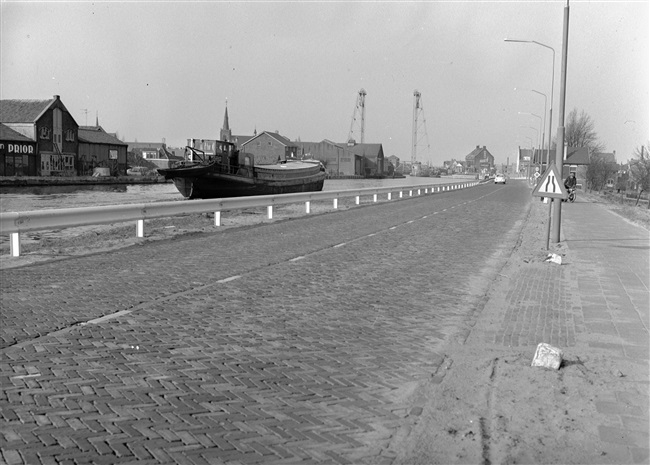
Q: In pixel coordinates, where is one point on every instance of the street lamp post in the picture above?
(540, 123)
(550, 111)
(548, 153)
(532, 146)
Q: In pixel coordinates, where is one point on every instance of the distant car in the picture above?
(500, 179)
(137, 171)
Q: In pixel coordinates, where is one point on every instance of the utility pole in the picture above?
(559, 147)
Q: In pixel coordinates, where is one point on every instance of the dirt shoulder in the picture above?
(488, 405)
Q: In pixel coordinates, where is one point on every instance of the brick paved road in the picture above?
(291, 341)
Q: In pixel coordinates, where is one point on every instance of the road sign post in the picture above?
(551, 185)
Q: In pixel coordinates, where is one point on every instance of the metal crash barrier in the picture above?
(15, 223)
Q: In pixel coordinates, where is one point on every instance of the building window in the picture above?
(44, 132)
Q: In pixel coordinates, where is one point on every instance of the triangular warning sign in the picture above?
(550, 184)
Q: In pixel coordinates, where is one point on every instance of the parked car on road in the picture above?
(500, 179)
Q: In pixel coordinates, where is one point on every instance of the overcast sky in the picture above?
(154, 70)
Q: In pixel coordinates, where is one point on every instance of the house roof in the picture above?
(145, 145)
(240, 140)
(576, 156)
(97, 135)
(6, 133)
(606, 157)
(23, 111)
(274, 135)
(474, 153)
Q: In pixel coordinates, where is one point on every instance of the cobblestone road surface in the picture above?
(293, 341)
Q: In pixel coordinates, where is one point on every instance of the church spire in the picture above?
(226, 125)
(225, 133)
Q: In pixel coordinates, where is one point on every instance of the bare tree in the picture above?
(579, 132)
(640, 170)
(598, 171)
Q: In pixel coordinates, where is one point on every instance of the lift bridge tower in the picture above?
(418, 122)
(359, 112)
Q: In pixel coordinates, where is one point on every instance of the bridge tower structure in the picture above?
(359, 113)
(419, 122)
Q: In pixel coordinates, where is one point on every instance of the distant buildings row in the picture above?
(41, 138)
(575, 160)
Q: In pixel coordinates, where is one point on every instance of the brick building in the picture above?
(51, 131)
(479, 160)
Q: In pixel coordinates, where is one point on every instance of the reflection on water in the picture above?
(16, 199)
(56, 190)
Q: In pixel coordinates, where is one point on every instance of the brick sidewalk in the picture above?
(595, 307)
(612, 275)
(493, 407)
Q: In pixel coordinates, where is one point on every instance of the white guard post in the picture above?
(336, 204)
(389, 195)
(269, 211)
(356, 200)
(307, 206)
(217, 218)
(15, 244)
(140, 229)
(374, 197)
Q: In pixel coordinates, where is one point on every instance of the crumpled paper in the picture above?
(554, 258)
(547, 356)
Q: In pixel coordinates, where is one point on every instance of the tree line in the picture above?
(580, 131)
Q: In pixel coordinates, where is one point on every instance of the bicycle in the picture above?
(572, 194)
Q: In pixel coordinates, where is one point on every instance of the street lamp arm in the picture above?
(531, 114)
(550, 110)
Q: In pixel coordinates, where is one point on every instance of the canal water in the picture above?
(17, 199)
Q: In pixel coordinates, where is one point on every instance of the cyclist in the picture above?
(570, 182)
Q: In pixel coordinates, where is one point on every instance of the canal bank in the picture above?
(36, 181)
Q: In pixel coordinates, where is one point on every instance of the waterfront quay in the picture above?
(36, 181)
(398, 332)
